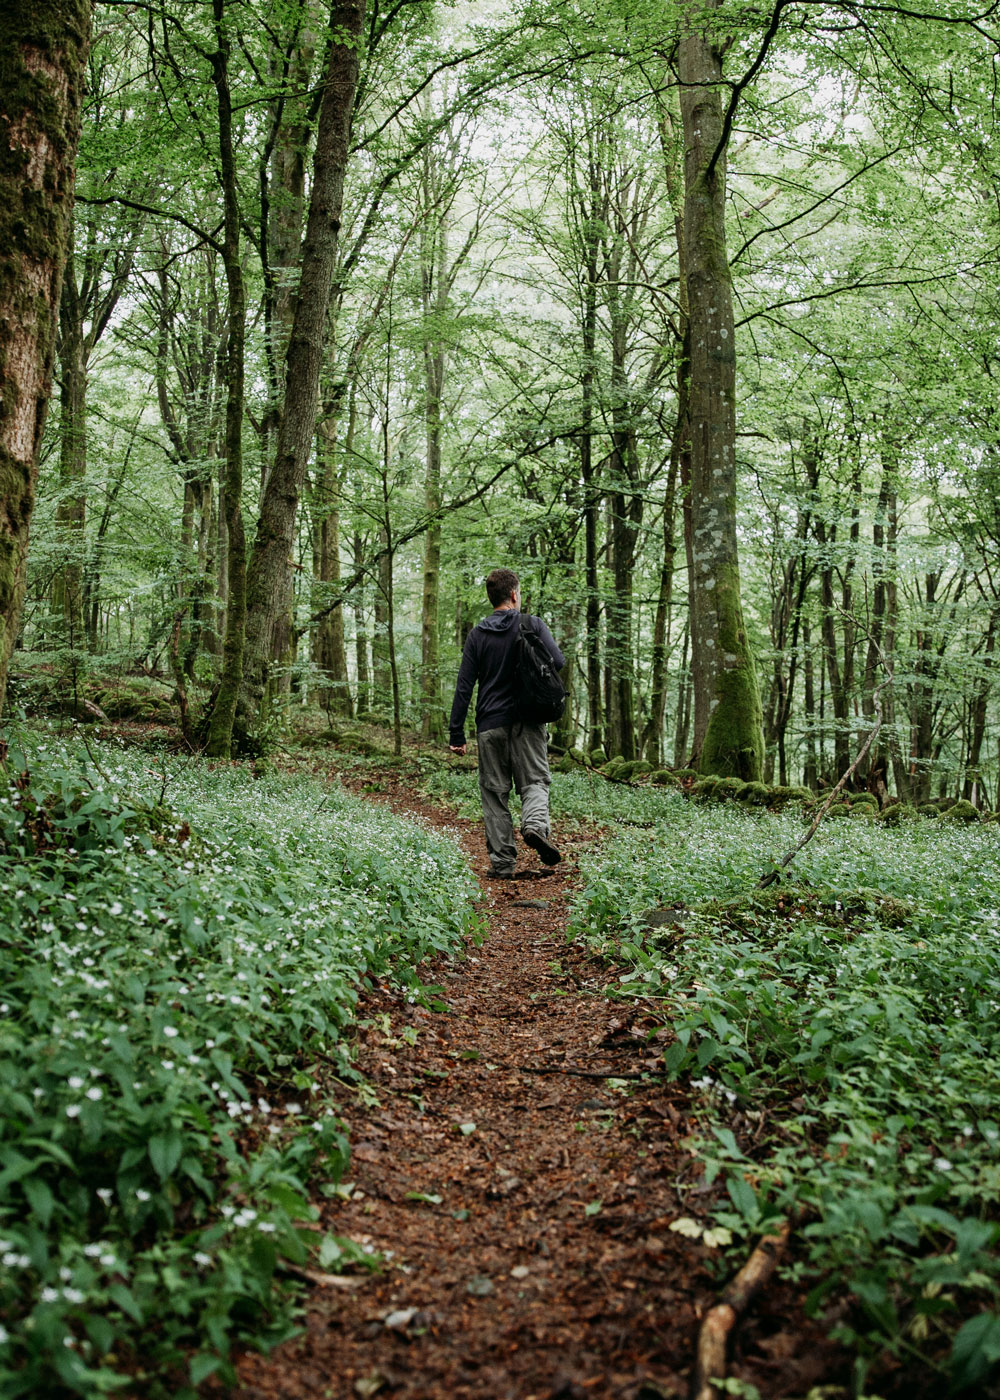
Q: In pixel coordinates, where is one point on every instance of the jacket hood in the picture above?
(499, 621)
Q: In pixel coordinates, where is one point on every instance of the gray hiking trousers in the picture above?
(519, 753)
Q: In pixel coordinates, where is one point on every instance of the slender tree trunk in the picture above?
(592, 212)
(684, 699)
(728, 735)
(810, 770)
(329, 652)
(269, 573)
(220, 725)
(978, 706)
(72, 511)
(43, 62)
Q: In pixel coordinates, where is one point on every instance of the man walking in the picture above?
(509, 749)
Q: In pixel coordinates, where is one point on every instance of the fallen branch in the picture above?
(713, 1336)
(580, 1073)
(775, 874)
(318, 1279)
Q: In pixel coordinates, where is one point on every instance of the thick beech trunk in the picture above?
(43, 61)
(270, 569)
(728, 735)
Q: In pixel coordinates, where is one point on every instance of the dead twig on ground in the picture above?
(718, 1324)
(318, 1279)
(581, 1073)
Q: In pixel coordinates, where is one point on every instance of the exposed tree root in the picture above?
(713, 1336)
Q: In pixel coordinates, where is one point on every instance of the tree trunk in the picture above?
(810, 769)
(328, 647)
(592, 214)
(220, 724)
(974, 787)
(728, 732)
(71, 514)
(43, 62)
(270, 570)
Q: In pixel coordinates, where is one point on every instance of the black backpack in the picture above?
(539, 694)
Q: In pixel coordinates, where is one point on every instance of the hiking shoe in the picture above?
(550, 854)
(500, 875)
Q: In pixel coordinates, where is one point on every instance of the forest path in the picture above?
(530, 1255)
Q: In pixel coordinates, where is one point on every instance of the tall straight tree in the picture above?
(43, 59)
(269, 571)
(728, 735)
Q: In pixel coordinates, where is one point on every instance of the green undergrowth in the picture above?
(849, 1018)
(581, 796)
(181, 947)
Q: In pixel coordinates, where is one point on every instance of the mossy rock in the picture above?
(325, 737)
(729, 789)
(359, 744)
(864, 811)
(753, 794)
(961, 811)
(566, 764)
(641, 767)
(704, 790)
(782, 796)
(896, 813)
(840, 809)
(627, 769)
(683, 773)
(864, 799)
(598, 758)
(579, 757)
(662, 777)
(135, 700)
(613, 767)
(928, 809)
(991, 816)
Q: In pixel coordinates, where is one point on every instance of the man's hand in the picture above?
(458, 748)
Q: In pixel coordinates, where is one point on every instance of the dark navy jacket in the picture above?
(489, 658)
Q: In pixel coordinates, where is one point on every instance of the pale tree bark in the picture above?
(43, 59)
(270, 570)
(728, 730)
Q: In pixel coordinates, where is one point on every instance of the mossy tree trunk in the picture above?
(728, 727)
(43, 61)
(269, 572)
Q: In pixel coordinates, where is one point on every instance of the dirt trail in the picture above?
(531, 1254)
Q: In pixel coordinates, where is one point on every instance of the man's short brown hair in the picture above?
(500, 585)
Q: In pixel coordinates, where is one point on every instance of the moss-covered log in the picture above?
(43, 57)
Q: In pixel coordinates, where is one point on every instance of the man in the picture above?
(509, 749)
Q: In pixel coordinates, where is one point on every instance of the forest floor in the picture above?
(518, 1164)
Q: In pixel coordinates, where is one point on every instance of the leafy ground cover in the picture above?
(581, 796)
(845, 1037)
(180, 947)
